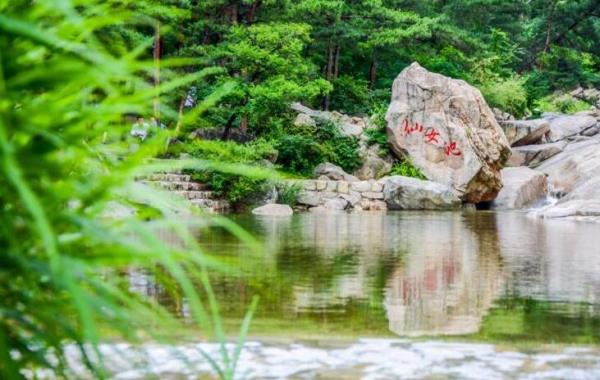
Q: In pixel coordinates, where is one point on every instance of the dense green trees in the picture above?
(344, 54)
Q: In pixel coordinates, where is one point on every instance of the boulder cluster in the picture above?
(470, 153)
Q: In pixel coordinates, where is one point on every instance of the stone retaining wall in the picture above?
(360, 195)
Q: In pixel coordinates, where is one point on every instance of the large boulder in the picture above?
(405, 193)
(533, 155)
(577, 164)
(373, 166)
(446, 128)
(525, 132)
(273, 209)
(574, 177)
(565, 126)
(333, 172)
(522, 187)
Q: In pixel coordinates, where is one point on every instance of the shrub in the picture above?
(564, 103)
(239, 190)
(407, 169)
(288, 193)
(343, 151)
(507, 94)
(299, 153)
(229, 151)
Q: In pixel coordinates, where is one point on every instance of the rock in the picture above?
(592, 131)
(587, 191)
(522, 187)
(404, 193)
(310, 185)
(564, 126)
(351, 126)
(574, 209)
(353, 197)
(533, 155)
(273, 209)
(337, 204)
(501, 115)
(361, 186)
(372, 205)
(333, 172)
(304, 120)
(525, 132)
(373, 167)
(448, 131)
(577, 164)
(309, 198)
(372, 195)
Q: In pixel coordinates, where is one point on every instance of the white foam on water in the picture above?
(365, 359)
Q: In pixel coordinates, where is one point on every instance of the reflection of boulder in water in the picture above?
(448, 287)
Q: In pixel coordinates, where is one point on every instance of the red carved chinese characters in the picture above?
(408, 129)
(451, 149)
(432, 136)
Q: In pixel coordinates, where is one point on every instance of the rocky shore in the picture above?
(472, 155)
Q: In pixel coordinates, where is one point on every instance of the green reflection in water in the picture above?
(477, 276)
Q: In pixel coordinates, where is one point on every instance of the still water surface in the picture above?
(477, 277)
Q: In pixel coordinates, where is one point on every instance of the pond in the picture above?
(356, 295)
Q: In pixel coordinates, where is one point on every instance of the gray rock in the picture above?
(577, 164)
(533, 155)
(404, 193)
(353, 197)
(333, 172)
(273, 209)
(564, 126)
(372, 205)
(525, 132)
(522, 187)
(574, 209)
(337, 204)
(309, 198)
(361, 186)
(304, 120)
(446, 128)
(373, 167)
(501, 115)
(348, 125)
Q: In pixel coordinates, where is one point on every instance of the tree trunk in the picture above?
(156, 57)
(336, 62)
(252, 12)
(328, 72)
(373, 71)
(228, 126)
(244, 124)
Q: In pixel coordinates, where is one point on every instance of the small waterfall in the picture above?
(552, 196)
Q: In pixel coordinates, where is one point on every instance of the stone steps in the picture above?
(214, 205)
(178, 185)
(183, 185)
(194, 194)
(169, 177)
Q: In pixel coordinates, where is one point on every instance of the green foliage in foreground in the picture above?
(62, 95)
